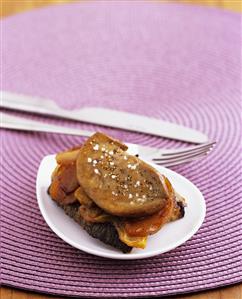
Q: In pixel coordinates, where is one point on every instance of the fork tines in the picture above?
(184, 155)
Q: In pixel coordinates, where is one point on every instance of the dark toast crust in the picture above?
(104, 232)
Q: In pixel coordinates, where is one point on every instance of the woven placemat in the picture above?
(173, 62)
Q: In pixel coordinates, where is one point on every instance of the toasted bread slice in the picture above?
(120, 184)
(105, 232)
(122, 233)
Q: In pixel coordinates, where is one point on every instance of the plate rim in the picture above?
(118, 256)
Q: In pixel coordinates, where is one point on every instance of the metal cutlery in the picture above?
(165, 157)
(102, 116)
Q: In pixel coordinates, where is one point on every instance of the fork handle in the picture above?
(18, 123)
(8, 121)
(30, 104)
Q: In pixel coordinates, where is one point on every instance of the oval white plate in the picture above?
(169, 237)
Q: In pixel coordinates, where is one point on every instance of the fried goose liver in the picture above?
(120, 184)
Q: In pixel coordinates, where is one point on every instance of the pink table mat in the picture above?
(173, 62)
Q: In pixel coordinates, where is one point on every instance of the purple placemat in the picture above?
(173, 62)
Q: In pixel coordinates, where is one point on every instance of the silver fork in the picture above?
(164, 157)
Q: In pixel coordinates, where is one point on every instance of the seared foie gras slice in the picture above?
(120, 184)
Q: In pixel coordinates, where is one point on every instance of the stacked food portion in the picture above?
(116, 197)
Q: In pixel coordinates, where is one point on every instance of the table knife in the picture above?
(103, 116)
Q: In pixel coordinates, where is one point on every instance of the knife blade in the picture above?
(103, 116)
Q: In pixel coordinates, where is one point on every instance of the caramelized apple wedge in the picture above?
(68, 156)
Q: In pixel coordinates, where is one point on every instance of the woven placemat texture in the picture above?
(173, 62)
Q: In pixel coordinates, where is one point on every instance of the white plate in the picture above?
(169, 237)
